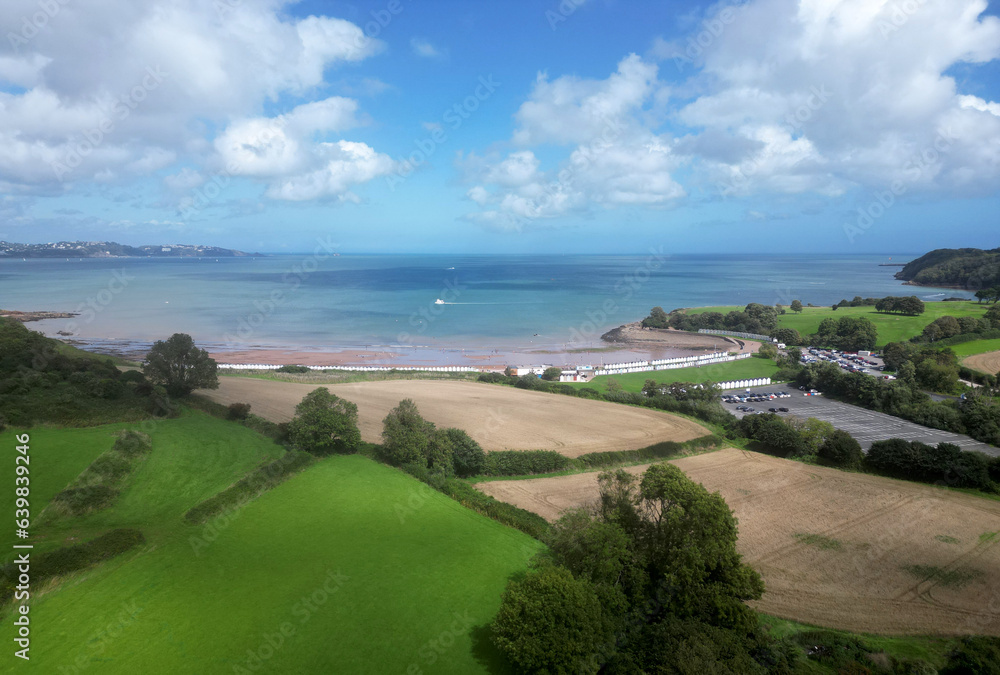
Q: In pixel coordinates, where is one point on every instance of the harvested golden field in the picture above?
(838, 549)
(985, 363)
(499, 418)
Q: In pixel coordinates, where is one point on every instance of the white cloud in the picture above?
(342, 165)
(847, 93)
(282, 152)
(570, 110)
(841, 95)
(614, 160)
(165, 73)
(425, 49)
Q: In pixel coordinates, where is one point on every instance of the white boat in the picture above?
(439, 301)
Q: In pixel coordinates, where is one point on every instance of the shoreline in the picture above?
(535, 354)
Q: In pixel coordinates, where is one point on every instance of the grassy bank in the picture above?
(717, 372)
(891, 327)
(975, 347)
(395, 564)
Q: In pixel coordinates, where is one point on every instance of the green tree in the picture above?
(657, 319)
(551, 374)
(993, 316)
(179, 366)
(942, 328)
(651, 388)
(841, 449)
(405, 434)
(552, 622)
(896, 353)
(850, 333)
(767, 351)
(467, 455)
(325, 424)
(907, 373)
(440, 453)
(796, 305)
(766, 316)
(789, 336)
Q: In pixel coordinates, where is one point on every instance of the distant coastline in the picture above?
(111, 249)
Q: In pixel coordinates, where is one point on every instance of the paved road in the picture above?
(865, 425)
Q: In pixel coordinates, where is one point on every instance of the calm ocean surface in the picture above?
(357, 300)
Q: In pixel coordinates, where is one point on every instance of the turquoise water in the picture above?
(357, 300)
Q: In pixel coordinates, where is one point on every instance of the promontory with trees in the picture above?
(971, 269)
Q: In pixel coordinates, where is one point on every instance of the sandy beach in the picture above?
(666, 345)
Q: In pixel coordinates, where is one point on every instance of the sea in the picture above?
(484, 302)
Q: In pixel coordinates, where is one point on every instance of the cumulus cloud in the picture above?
(167, 72)
(283, 151)
(613, 158)
(842, 95)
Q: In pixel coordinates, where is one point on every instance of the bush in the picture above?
(841, 449)
(131, 443)
(110, 467)
(523, 462)
(238, 411)
(974, 655)
(492, 378)
(69, 559)
(946, 463)
(467, 455)
(551, 622)
(298, 370)
(651, 453)
(81, 500)
(840, 653)
(250, 486)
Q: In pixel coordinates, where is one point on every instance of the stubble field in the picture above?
(499, 418)
(838, 549)
(986, 363)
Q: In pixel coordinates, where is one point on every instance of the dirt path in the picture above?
(499, 418)
(838, 549)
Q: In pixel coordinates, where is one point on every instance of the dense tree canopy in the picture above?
(657, 562)
(179, 366)
(911, 305)
(405, 434)
(325, 424)
(849, 333)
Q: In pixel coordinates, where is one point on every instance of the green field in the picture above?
(975, 347)
(398, 574)
(891, 327)
(744, 369)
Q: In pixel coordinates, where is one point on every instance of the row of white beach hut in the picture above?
(360, 369)
(669, 364)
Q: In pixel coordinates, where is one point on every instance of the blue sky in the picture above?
(586, 126)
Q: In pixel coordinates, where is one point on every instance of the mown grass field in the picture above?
(717, 372)
(364, 568)
(976, 347)
(891, 327)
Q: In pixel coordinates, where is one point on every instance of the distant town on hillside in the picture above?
(110, 249)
